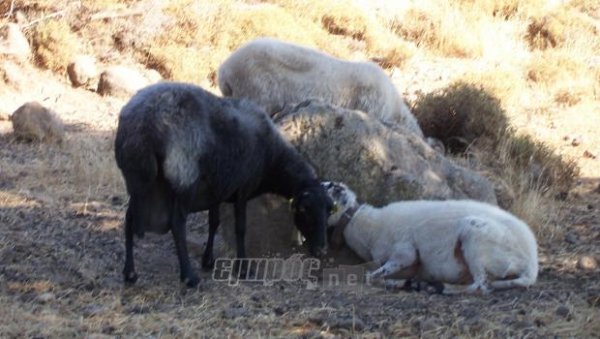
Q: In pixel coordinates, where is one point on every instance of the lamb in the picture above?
(181, 150)
(463, 245)
(274, 73)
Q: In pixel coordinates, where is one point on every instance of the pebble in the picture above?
(587, 263)
(589, 155)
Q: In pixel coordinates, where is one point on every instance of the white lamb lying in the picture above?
(466, 245)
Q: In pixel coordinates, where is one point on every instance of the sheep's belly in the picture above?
(449, 271)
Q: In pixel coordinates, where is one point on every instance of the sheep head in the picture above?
(311, 209)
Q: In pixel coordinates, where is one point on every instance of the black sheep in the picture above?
(181, 150)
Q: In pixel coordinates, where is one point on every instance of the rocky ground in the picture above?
(61, 255)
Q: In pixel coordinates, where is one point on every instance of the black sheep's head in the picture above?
(311, 209)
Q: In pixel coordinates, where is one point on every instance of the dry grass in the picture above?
(460, 115)
(567, 78)
(504, 9)
(562, 27)
(54, 45)
(444, 30)
(467, 118)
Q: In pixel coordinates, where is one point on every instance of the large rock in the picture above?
(13, 42)
(121, 81)
(34, 122)
(82, 70)
(380, 164)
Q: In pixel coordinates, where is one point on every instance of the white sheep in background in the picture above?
(466, 245)
(274, 74)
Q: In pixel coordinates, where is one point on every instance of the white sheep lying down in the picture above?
(468, 246)
(273, 74)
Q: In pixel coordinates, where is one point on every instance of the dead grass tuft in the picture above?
(549, 67)
(546, 168)
(568, 96)
(191, 47)
(459, 115)
(560, 28)
(545, 32)
(444, 30)
(569, 79)
(245, 23)
(505, 9)
(394, 56)
(54, 45)
(342, 18)
(468, 118)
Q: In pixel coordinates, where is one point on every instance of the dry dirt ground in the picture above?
(62, 251)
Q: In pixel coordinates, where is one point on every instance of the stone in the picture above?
(34, 122)
(121, 81)
(13, 43)
(587, 263)
(82, 70)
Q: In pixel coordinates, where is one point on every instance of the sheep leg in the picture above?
(178, 218)
(208, 260)
(240, 233)
(129, 269)
(523, 281)
(473, 254)
(402, 258)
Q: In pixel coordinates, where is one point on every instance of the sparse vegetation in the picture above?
(511, 87)
(461, 115)
(54, 45)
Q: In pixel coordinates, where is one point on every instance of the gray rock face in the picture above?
(380, 164)
(13, 42)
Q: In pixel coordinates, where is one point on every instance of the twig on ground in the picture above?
(114, 15)
(11, 9)
(49, 16)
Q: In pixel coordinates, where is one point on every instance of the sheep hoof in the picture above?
(191, 281)
(208, 263)
(130, 277)
(435, 287)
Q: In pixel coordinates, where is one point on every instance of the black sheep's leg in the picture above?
(178, 218)
(208, 260)
(240, 232)
(129, 269)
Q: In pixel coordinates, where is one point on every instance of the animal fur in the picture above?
(182, 149)
(274, 74)
(467, 245)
